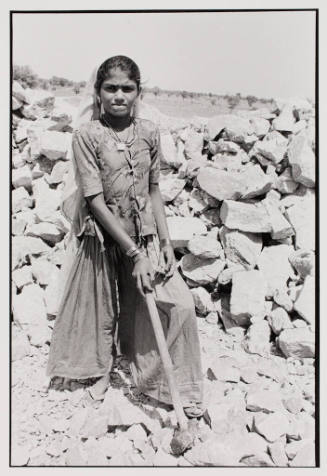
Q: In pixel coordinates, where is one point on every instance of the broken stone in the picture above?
(237, 128)
(169, 151)
(47, 231)
(201, 271)
(274, 264)
(285, 182)
(21, 200)
(302, 160)
(305, 302)
(27, 246)
(29, 307)
(259, 459)
(271, 426)
(280, 227)
(283, 299)
(277, 453)
(248, 374)
(182, 229)
(211, 453)
(249, 217)
(248, 295)
(265, 401)
(22, 177)
(257, 338)
(202, 300)
(206, 247)
(23, 276)
(305, 456)
(58, 172)
(20, 93)
(222, 185)
(94, 425)
(260, 126)
(222, 371)
(297, 343)
(271, 149)
(302, 218)
(42, 271)
(20, 345)
(224, 146)
(170, 188)
(292, 448)
(279, 320)
(75, 456)
(303, 261)
(193, 145)
(241, 247)
(54, 145)
(53, 292)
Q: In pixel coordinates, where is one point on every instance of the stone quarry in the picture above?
(239, 193)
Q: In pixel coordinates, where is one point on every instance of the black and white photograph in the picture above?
(164, 268)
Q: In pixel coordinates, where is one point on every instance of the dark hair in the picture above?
(122, 62)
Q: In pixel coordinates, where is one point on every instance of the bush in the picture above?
(25, 76)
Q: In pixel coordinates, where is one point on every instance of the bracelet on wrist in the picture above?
(165, 242)
(132, 251)
(139, 255)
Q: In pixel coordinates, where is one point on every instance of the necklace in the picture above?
(120, 144)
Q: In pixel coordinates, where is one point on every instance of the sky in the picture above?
(266, 54)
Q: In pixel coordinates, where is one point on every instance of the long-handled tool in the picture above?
(183, 437)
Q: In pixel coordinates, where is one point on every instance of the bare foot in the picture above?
(98, 390)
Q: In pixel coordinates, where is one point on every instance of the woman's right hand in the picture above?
(144, 274)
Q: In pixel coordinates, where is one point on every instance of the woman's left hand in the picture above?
(167, 258)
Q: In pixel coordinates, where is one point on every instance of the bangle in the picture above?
(165, 242)
(137, 256)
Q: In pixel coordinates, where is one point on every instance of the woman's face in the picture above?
(118, 93)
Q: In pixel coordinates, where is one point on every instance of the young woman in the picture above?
(124, 251)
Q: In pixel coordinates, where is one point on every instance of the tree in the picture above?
(25, 76)
(234, 101)
(251, 100)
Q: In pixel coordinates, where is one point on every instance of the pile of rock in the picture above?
(240, 200)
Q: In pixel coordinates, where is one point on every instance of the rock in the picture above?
(265, 401)
(20, 93)
(271, 426)
(22, 177)
(259, 459)
(280, 227)
(277, 453)
(249, 217)
(163, 459)
(283, 299)
(94, 454)
(272, 148)
(42, 271)
(20, 455)
(241, 247)
(47, 231)
(211, 453)
(170, 188)
(54, 145)
(303, 261)
(248, 295)
(20, 220)
(18, 159)
(297, 343)
(305, 302)
(257, 338)
(169, 151)
(201, 271)
(285, 121)
(302, 218)
(212, 318)
(223, 146)
(222, 185)
(206, 247)
(15, 104)
(22, 276)
(194, 145)
(279, 320)
(182, 229)
(285, 183)
(260, 126)
(47, 201)
(302, 160)
(20, 345)
(222, 371)
(237, 128)
(305, 456)
(136, 432)
(53, 293)
(27, 246)
(94, 425)
(248, 374)
(292, 448)
(274, 264)
(58, 172)
(75, 457)
(202, 300)
(226, 275)
(294, 404)
(196, 202)
(21, 200)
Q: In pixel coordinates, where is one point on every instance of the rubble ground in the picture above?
(239, 194)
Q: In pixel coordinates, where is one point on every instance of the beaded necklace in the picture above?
(120, 144)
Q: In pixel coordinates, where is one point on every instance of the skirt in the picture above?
(101, 294)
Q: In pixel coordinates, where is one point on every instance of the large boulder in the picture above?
(241, 247)
(305, 302)
(205, 246)
(257, 339)
(248, 296)
(285, 121)
(47, 231)
(47, 200)
(249, 217)
(182, 229)
(171, 187)
(280, 227)
(297, 342)
(55, 145)
(222, 185)
(302, 160)
(275, 266)
(272, 149)
(303, 261)
(201, 271)
(202, 300)
(302, 218)
(237, 128)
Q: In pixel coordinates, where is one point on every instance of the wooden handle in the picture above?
(166, 360)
